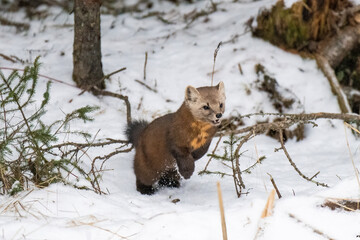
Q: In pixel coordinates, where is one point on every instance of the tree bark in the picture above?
(339, 46)
(87, 70)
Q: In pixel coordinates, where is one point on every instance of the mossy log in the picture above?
(326, 29)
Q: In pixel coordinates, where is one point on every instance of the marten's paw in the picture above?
(168, 182)
(144, 189)
(186, 168)
(170, 178)
(186, 172)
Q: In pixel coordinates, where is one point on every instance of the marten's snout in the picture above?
(217, 120)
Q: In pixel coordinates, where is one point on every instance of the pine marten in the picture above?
(170, 144)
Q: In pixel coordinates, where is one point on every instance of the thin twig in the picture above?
(349, 117)
(315, 175)
(5, 127)
(99, 91)
(240, 69)
(236, 166)
(40, 75)
(88, 88)
(95, 89)
(247, 170)
(212, 153)
(294, 165)
(145, 63)
(7, 58)
(19, 26)
(275, 186)
(85, 145)
(147, 86)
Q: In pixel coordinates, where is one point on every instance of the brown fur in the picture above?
(174, 141)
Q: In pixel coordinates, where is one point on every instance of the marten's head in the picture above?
(206, 104)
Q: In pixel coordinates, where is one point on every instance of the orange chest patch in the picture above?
(201, 134)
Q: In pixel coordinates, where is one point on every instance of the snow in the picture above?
(181, 55)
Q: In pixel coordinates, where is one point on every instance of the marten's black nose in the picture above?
(219, 115)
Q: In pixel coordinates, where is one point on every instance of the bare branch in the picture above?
(289, 120)
(99, 91)
(294, 165)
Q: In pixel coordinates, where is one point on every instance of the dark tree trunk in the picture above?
(87, 45)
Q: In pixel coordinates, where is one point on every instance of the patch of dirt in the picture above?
(347, 205)
(231, 123)
(297, 132)
(268, 84)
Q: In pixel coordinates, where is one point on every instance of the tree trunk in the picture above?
(87, 71)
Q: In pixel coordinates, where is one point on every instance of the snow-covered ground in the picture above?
(181, 55)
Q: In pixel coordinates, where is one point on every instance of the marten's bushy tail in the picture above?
(134, 130)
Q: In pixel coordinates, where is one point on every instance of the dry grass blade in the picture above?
(348, 205)
(91, 222)
(215, 55)
(351, 156)
(267, 212)
(269, 206)
(222, 212)
(20, 208)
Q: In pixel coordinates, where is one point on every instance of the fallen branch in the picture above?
(289, 120)
(315, 230)
(328, 71)
(19, 26)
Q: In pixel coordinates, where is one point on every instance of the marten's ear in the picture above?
(221, 88)
(191, 94)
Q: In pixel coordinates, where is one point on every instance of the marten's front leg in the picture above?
(198, 153)
(184, 160)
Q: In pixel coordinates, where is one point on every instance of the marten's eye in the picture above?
(221, 105)
(205, 107)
